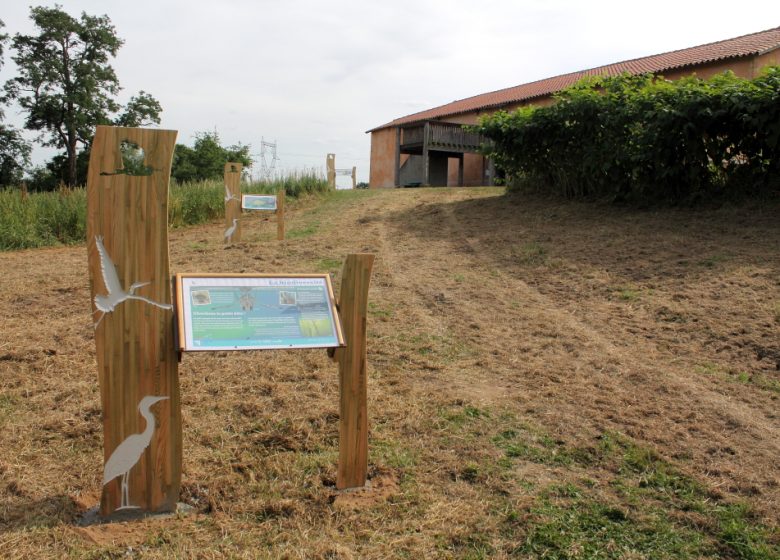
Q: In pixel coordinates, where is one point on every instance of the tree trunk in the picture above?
(72, 158)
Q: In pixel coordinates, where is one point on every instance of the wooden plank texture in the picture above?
(233, 201)
(280, 194)
(127, 249)
(330, 165)
(353, 376)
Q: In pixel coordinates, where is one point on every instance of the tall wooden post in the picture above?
(354, 177)
(397, 171)
(233, 202)
(130, 284)
(426, 178)
(330, 163)
(353, 375)
(280, 194)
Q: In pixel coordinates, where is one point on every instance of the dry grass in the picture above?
(546, 378)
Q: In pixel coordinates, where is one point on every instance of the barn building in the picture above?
(432, 148)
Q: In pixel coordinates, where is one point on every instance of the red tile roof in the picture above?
(746, 45)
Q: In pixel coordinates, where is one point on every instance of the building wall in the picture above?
(383, 141)
(382, 170)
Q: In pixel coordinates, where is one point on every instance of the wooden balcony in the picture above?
(439, 136)
(435, 143)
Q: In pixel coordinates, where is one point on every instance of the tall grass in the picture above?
(42, 219)
(54, 218)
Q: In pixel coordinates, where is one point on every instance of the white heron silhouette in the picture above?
(230, 231)
(127, 453)
(116, 294)
(229, 196)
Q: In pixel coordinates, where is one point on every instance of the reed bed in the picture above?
(42, 219)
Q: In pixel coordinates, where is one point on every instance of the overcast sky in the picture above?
(314, 76)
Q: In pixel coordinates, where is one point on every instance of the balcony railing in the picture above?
(442, 135)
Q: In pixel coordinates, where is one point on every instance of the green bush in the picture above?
(644, 138)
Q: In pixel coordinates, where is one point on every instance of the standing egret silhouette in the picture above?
(127, 453)
(229, 196)
(230, 231)
(116, 294)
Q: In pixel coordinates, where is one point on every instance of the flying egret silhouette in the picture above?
(127, 453)
(229, 196)
(116, 294)
(230, 231)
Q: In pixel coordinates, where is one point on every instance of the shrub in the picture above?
(645, 138)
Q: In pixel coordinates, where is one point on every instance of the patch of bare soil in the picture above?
(509, 338)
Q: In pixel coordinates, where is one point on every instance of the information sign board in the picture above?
(256, 312)
(258, 202)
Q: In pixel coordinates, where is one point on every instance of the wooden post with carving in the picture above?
(233, 202)
(330, 163)
(130, 285)
(353, 374)
(280, 194)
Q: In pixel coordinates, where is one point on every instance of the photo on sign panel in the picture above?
(220, 312)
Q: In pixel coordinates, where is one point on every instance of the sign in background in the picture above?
(254, 312)
(258, 202)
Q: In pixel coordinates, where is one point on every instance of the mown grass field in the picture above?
(546, 380)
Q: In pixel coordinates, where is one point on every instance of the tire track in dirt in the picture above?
(572, 377)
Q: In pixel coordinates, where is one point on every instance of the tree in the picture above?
(14, 149)
(66, 84)
(206, 159)
(141, 110)
(14, 155)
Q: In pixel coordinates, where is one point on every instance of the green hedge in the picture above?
(645, 138)
(52, 218)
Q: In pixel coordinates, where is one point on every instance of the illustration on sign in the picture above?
(116, 294)
(127, 453)
(258, 202)
(257, 312)
(229, 195)
(230, 231)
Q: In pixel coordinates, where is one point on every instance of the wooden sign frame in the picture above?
(278, 316)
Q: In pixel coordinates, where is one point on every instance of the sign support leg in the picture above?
(280, 194)
(353, 378)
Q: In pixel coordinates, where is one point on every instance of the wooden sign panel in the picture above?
(127, 246)
(219, 312)
(233, 202)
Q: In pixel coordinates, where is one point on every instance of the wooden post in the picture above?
(397, 171)
(354, 177)
(280, 194)
(233, 202)
(426, 178)
(24, 190)
(353, 378)
(330, 163)
(130, 284)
